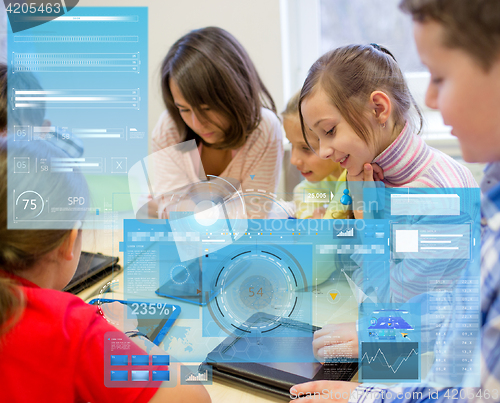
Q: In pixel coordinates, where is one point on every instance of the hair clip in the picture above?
(383, 50)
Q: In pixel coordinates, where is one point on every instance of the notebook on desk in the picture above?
(229, 360)
(92, 268)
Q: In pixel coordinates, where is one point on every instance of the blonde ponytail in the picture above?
(11, 304)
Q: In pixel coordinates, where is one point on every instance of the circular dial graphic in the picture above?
(179, 274)
(264, 205)
(256, 292)
(255, 279)
(29, 205)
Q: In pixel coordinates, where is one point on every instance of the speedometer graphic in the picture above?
(29, 205)
(251, 279)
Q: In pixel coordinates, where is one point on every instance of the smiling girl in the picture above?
(356, 110)
(214, 95)
(459, 41)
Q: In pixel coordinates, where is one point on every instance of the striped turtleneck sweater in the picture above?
(410, 162)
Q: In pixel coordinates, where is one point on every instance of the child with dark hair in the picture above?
(214, 95)
(459, 42)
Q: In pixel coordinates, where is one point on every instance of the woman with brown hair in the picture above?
(214, 95)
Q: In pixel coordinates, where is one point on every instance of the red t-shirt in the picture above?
(55, 352)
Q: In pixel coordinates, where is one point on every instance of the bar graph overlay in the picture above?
(196, 374)
(77, 62)
(83, 165)
(77, 98)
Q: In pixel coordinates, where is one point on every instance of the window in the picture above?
(313, 27)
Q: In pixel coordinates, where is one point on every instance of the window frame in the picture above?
(301, 46)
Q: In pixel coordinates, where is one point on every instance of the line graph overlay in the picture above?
(394, 368)
(382, 361)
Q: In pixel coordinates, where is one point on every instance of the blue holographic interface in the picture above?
(408, 273)
(78, 94)
(127, 366)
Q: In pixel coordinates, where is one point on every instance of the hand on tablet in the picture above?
(338, 391)
(336, 340)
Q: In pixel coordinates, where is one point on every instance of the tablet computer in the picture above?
(92, 268)
(232, 360)
(154, 319)
(185, 284)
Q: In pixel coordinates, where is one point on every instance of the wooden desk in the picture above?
(325, 310)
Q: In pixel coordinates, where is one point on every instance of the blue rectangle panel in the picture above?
(140, 360)
(161, 375)
(140, 376)
(119, 375)
(161, 360)
(119, 359)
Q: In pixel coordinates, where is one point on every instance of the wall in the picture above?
(256, 24)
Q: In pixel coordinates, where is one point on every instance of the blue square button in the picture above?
(140, 360)
(161, 375)
(161, 360)
(119, 375)
(119, 359)
(140, 376)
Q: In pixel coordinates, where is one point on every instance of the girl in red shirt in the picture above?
(51, 342)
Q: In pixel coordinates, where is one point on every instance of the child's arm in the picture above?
(171, 162)
(302, 209)
(182, 394)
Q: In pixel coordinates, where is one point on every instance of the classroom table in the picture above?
(325, 310)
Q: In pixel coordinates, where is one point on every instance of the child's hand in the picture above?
(371, 173)
(338, 391)
(336, 340)
(378, 173)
